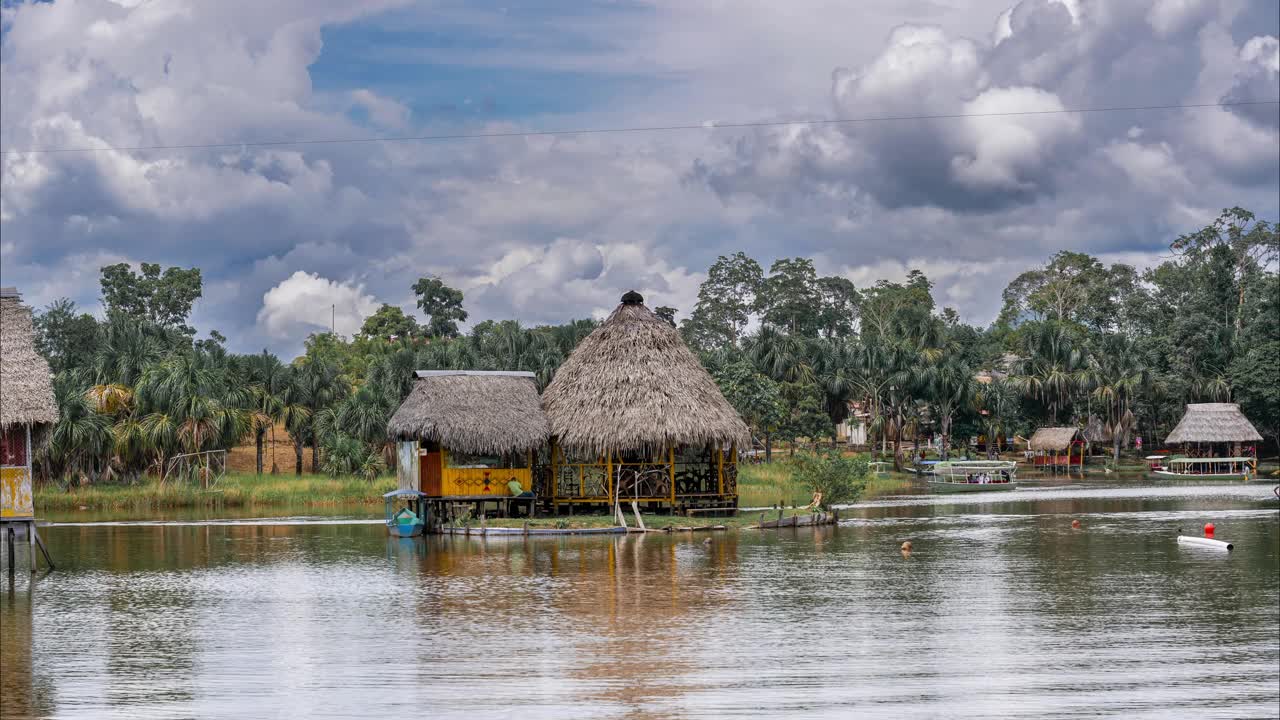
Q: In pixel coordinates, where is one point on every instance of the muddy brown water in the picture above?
(1001, 610)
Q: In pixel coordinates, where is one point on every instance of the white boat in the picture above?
(973, 476)
(1226, 468)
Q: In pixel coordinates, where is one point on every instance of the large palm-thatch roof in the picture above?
(473, 411)
(1213, 423)
(632, 384)
(1053, 438)
(26, 388)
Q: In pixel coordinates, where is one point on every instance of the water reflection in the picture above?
(1000, 610)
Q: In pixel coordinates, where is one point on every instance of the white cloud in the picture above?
(305, 303)
(383, 111)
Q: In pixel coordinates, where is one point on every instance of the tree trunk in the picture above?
(1115, 442)
(946, 437)
(897, 446)
(275, 469)
(257, 443)
(315, 455)
(768, 447)
(297, 453)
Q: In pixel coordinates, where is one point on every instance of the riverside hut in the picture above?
(1057, 448)
(635, 416)
(468, 435)
(27, 411)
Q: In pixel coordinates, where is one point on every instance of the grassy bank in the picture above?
(774, 484)
(758, 486)
(234, 490)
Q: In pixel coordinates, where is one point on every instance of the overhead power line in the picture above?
(641, 129)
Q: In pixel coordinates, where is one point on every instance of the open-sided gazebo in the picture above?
(635, 416)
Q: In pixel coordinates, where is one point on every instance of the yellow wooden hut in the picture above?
(634, 416)
(27, 411)
(468, 434)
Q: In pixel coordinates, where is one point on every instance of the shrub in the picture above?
(839, 479)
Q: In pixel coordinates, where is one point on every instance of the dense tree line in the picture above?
(1076, 340)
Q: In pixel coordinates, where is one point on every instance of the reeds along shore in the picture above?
(234, 490)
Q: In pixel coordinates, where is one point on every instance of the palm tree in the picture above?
(189, 409)
(320, 389)
(1116, 374)
(80, 442)
(997, 401)
(948, 385)
(267, 380)
(1053, 368)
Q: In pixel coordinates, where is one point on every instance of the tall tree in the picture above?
(725, 300)
(755, 397)
(790, 298)
(442, 305)
(389, 322)
(164, 298)
(838, 311)
(65, 337)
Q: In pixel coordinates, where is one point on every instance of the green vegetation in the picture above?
(1076, 341)
(834, 477)
(234, 490)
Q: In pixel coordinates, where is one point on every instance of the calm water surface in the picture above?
(1002, 611)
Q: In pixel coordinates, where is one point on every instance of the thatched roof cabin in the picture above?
(1053, 439)
(473, 411)
(633, 384)
(1213, 423)
(26, 385)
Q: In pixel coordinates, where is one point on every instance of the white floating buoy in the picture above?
(1204, 542)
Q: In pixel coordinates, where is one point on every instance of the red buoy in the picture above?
(1208, 529)
(1075, 524)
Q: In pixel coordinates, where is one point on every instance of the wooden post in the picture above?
(671, 473)
(636, 509)
(720, 469)
(9, 535)
(608, 477)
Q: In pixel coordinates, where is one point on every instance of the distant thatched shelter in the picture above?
(634, 384)
(27, 405)
(1057, 447)
(468, 433)
(641, 417)
(1213, 423)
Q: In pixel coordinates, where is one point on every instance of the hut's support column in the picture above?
(719, 470)
(608, 478)
(671, 474)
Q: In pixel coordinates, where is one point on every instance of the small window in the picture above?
(13, 446)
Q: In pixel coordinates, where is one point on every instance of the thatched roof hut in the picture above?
(633, 384)
(26, 385)
(1213, 423)
(1053, 439)
(473, 411)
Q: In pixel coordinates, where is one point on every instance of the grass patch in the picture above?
(233, 490)
(775, 484)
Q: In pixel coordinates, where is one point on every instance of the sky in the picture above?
(548, 228)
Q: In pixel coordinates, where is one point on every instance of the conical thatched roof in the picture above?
(1053, 438)
(1213, 423)
(26, 386)
(632, 384)
(473, 411)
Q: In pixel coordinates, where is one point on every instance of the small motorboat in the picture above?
(404, 512)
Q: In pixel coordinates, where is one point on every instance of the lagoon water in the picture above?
(1002, 610)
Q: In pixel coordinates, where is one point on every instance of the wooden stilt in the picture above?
(9, 535)
(48, 560)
